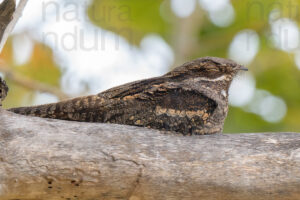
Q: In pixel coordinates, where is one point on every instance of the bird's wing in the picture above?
(131, 88)
(173, 100)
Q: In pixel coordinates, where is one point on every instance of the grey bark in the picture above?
(53, 159)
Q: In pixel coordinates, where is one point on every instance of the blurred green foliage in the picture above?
(132, 19)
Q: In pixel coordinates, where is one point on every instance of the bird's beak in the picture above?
(241, 67)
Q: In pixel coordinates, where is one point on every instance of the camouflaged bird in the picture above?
(191, 99)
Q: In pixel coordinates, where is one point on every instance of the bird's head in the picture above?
(210, 68)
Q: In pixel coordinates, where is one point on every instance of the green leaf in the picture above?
(41, 66)
(132, 19)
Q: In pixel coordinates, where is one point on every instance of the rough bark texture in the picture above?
(52, 159)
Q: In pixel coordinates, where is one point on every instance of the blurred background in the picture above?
(67, 48)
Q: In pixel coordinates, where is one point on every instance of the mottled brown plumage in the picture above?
(191, 99)
(3, 90)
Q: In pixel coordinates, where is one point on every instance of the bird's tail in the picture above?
(78, 109)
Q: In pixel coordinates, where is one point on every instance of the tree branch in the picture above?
(53, 159)
(31, 84)
(10, 24)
